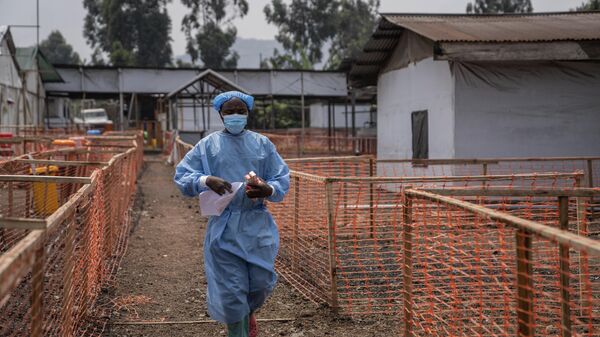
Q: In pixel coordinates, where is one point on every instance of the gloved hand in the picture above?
(258, 188)
(218, 185)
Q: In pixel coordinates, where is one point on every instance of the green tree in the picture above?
(57, 50)
(209, 32)
(355, 21)
(129, 32)
(590, 5)
(306, 26)
(499, 6)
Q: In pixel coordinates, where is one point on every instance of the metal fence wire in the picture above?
(64, 224)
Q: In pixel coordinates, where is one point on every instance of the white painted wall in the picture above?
(10, 87)
(527, 110)
(319, 115)
(427, 85)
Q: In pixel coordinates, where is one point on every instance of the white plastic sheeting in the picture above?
(10, 82)
(527, 109)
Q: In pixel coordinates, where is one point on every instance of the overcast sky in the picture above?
(67, 16)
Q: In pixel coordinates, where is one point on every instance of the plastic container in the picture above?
(45, 195)
(64, 142)
(94, 132)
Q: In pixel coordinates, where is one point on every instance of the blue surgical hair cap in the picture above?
(226, 96)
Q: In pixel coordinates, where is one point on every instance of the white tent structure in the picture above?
(11, 101)
(481, 86)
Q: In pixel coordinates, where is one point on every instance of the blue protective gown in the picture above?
(241, 244)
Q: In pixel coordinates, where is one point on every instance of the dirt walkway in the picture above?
(162, 279)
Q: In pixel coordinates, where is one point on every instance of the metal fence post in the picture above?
(524, 284)
(331, 231)
(407, 270)
(563, 209)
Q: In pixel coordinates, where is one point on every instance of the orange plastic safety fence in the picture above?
(291, 146)
(340, 237)
(467, 274)
(51, 280)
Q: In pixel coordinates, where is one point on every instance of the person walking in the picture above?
(241, 244)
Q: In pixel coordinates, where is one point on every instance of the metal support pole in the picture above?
(302, 111)
(121, 103)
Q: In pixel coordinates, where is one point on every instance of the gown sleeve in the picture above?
(278, 174)
(189, 171)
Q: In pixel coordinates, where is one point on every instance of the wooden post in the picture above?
(371, 202)
(524, 284)
(10, 199)
(331, 233)
(590, 172)
(563, 215)
(67, 305)
(407, 270)
(296, 215)
(37, 290)
(582, 230)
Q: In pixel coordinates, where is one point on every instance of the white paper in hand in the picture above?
(211, 203)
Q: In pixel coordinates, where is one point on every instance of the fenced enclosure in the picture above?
(64, 224)
(450, 247)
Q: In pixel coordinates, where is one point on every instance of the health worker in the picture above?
(241, 244)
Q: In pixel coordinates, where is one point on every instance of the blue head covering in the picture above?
(226, 96)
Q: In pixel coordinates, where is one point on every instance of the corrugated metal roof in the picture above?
(544, 27)
(463, 28)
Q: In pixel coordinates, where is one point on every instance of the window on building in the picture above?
(420, 135)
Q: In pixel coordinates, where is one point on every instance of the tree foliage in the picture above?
(499, 6)
(57, 50)
(305, 27)
(209, 32)
(129, 32)
(590, 5)
(355, 21)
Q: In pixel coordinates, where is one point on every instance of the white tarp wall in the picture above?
(10, 88)
(319, 115)
(539, 109)
(187, 122)
(36, 98)
(426, 85)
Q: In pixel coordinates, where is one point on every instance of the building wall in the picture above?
(527, 110)
(319, 115)
(10, 88)
(426, 85)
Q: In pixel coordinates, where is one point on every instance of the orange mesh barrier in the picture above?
(343, 249)
(64, 231)
(464, 167)
(469, 270)
(290, 146)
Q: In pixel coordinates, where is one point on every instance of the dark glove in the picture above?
(258, 188)
(218, 185)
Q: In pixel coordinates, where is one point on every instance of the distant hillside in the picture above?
(250, 51)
